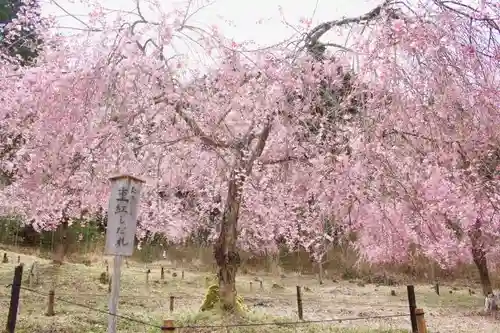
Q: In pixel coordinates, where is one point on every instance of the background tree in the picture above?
(237, 138)
(431, 169)
(256, 138)
(19, 38)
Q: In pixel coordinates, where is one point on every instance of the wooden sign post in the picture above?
(120, 232)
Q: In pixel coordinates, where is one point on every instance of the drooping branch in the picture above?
(259, 148)
(193, 125)
(284, 160)
(312, 38)
(467, 11)
(206, 139)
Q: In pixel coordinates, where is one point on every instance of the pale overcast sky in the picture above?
(244, 14)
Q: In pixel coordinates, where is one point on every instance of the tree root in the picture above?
(212, 300)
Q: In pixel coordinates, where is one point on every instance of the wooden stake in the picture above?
(168, 325)
(171, 307)
(413, 306)
(299, 304)
(162, 274)
(50, 304)
(421, 325)
(14, 299)
(115, 294)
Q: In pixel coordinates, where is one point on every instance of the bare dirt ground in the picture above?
(79, 293)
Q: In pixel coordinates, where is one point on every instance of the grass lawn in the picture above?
(275, 303)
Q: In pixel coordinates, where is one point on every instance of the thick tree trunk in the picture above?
(58, 257)
(225, 251)
(320, 271)
(479, 257)
(62, 246)
(482, 266)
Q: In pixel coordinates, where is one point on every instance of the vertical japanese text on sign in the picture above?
(122, 203)
(122, 215)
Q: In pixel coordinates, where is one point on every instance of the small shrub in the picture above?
(349, 274)
(104, 278)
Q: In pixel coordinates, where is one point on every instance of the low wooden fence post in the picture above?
(50, 304)
(299, 304)
(168, 325)
(412, 302)
(172, 298)
(14, 299)
(421, 325)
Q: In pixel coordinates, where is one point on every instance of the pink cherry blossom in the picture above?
(416, 169)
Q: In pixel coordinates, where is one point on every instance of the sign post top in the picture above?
(122, 215)
(125, 176)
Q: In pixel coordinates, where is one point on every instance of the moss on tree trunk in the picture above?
(225, 250)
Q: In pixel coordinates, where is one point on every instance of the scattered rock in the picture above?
(277, 286)
(381, 280)
(5, 260)
(262, 303)
(307, 289)
(334, 281)
(256, 279)
(393, 292)
(283, 276)
(174, 274)
(491, 303)
(451, 291)
(471, 292)
(361, 284)
(346, 311)
(87, 262)
(454, 288)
